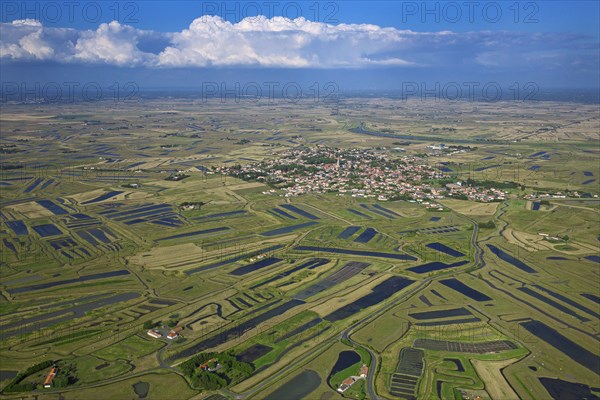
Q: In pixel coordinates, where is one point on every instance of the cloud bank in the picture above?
(278, 42)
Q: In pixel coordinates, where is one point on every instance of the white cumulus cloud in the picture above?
(283, 43)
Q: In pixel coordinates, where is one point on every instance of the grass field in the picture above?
(191, 253)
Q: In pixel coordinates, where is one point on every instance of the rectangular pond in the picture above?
(103, 197)
(299, 211)
(568, 301)
(563, 344)
(356, 212)
(308, 325)
(378, 294)
(376, 211)
(504, 256)
(311, 264)
(591, 297)
(452, 312)
(552, 303)
(83, 278)
(435, 266)
(468, 291)
(46, 230)
(255, 266)
(18, 227)
(253, 353)
(287, 229)
(33, 185)
(346, 272)
(386, 210)
(239, 257)
(366, 236)
(282, 213)
(365, 253)
(442, 248)
(458, 321)
(53, 208)
(237, 331)
(348, 232)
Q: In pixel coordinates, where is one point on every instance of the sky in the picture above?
(355, 45)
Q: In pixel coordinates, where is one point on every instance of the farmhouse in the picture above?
(172, 335)
(206, 365)
(362, 372)
(174, 332)
(346, 384)
(155, 334)
(50, 377)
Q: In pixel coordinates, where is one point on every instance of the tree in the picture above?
(60, 381)
(149, 324)
(566, 238)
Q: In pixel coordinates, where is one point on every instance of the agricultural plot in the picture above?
(239, 257)
(158, 214)
(282, 213)
(460, 347)
(343, 274)
(504, 256)
(358, 213)
(299, 386)
(311, 264)
(379, 293)
(404, 381)
(223, 215)
(28, 325)
(194, 233)
(563, 344)
(379, 211)
(364, 253)
(253, 353)
(454, 312)
(93, 257)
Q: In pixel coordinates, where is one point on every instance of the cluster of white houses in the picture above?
(173, 333)
(359, 173)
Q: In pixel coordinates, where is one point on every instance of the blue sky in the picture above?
(360, 45)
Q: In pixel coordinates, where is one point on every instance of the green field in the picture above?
(129, 257)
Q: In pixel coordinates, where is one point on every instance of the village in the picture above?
(361, 173)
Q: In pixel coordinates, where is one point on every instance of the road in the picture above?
(347, 333)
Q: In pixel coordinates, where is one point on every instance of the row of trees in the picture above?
(16, 385)
(230, 372)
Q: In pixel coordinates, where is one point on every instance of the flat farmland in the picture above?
(148, 223)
